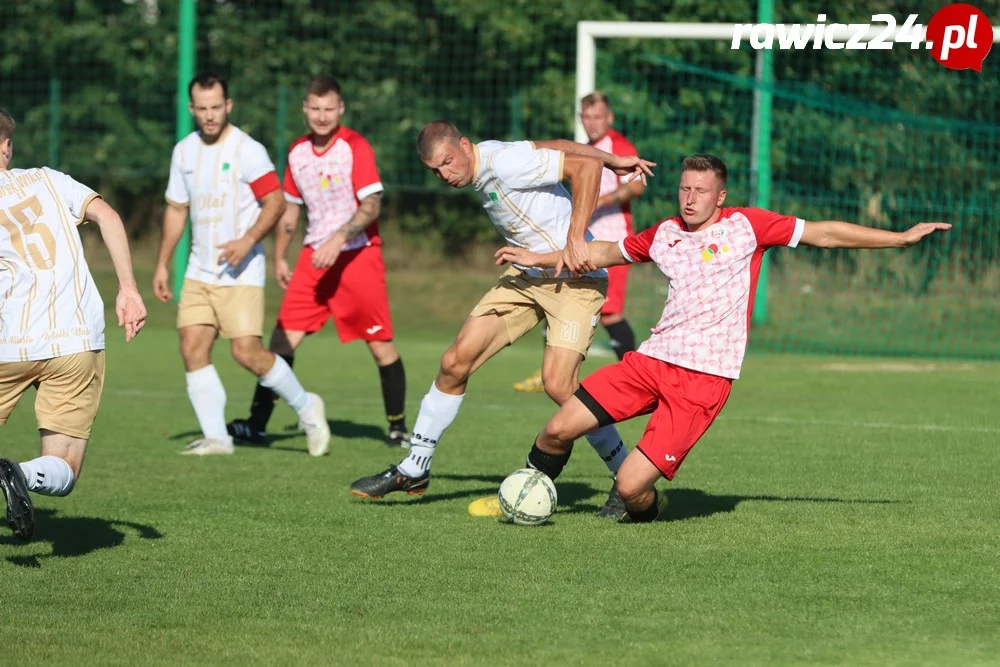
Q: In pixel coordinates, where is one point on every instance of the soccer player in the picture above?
(228, 183)
(340, 273)
(52, 321)
(682, 375)
(612, 221)
(520, 186)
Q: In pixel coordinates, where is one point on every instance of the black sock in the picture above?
(622, 338)
(264, 400)
(647, 515)
(394, 394)
(550, 464)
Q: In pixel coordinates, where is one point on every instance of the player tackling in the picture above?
(612, 221)
(682, 375)
(520, 185)
(52, 321)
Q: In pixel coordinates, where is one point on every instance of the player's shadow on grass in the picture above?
(568, 490)
(694, 503)
(72, 536)
(340, 429)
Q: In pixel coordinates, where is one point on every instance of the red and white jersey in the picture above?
(614, 221)
(222, 183)
(332, 184)
(712, 275)
(49, 306)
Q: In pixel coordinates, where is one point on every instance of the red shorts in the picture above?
(614, 302)
(352, 291)
(684, 403)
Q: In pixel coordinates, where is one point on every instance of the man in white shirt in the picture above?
(228, 183)
(520, 185)
(52, 322)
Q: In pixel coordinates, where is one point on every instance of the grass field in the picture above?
(839, 512)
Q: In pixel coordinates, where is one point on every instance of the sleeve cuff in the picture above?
(83, 208)
(369, 190)
(293, 199)
(628, 257)
(176, 203)
(800, 226)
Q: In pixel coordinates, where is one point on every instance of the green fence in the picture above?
(883, 138)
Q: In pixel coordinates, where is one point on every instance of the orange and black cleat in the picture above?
(388, 481)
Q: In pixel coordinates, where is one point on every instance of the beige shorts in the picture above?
(571, 306)
(69, 391)
(236, 311)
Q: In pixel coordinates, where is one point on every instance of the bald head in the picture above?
(434, 134)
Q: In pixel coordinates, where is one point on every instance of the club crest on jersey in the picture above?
(326, 180)
(709, 253)
(225, 166)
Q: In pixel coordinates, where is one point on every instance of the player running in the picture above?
(227, 182)
(520, 186)
(682, 375)
(52, 322)
(340, 273)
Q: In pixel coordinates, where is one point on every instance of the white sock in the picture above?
(208, 397)
(282, 381)
(49, 476)
(609, 446)
(437, 412)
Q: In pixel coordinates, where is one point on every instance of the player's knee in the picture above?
(632, 490)
(194, 354)
(558, 431)
(454, 366)
(559, 390)
(247, 352)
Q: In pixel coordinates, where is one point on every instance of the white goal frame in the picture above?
(587, 32)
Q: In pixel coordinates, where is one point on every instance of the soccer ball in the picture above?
(527, 497)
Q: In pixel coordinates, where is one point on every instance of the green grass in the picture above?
(835, 514)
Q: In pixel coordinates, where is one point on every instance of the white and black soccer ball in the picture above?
(527, 497)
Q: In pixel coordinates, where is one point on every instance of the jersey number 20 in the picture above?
(31, 238)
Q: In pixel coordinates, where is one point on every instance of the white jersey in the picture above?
(521, 190)
(49, 306)
(222, 184)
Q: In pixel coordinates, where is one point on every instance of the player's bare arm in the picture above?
(623, 165)
(625, 193)
(129, 307)
(174, 221)
(584, 174)
(837, 234)
(326, 255)
(283, 239)
(235, 251)
(603, 254)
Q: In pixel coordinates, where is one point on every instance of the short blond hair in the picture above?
(706, 162)
(6, 125)
(595, 97)
(433, 134)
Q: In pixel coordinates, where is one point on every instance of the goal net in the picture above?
(880, 138)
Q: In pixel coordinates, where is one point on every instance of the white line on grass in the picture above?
(872, 425)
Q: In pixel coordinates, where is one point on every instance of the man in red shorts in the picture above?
(683, 373)
(340, 273)
(612, 221)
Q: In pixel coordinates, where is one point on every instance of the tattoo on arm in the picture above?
(366, 213)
